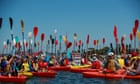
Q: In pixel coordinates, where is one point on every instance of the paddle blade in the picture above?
(56, 42)
(131, 36)
(87, 42)
(75, 36)
(94, 42)
(50, 37)
(26, 44)
(122, 39)
(35, 31)
(52, 41)
(69, 44)
(115, 31)
(22, 25)
(80, 42)
(134, 32)
(0, 22)
(136, 24)
(42, 36)
(11, 22)
(138, 34)
(103, 40)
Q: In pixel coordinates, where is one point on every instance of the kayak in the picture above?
(59, 68)
(109, 75)
(81, 66)
(19, 79)
(28, 74)
(80, 70)
(49, 73)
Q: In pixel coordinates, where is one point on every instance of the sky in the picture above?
(94, 17)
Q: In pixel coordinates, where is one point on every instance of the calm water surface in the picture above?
(74, 78)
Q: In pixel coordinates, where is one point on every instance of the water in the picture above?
(75, 78)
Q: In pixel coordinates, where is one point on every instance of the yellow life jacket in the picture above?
(121, 62)
(26, 67)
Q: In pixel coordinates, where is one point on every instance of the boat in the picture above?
(80, 70)
(27, 74)
(19, 79)
(81, 66)
(49, 73)
(121, 75)
(59, 68)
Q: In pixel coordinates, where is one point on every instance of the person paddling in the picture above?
(25, 66)
(111, 65)
(96, 64)
(134, 69)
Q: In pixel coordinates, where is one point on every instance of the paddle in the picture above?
(0, 22)
(124, 74)
(22, 26)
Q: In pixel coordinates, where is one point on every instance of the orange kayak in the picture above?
(80, 70)
(49, 73)
(59, 68)
(19, 79)
(109, 75)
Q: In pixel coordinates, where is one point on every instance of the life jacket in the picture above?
(121, 62)
(3, 65)
(96, 64)
(26, 67)
(66, 61)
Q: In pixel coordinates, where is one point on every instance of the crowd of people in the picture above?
(12, 65)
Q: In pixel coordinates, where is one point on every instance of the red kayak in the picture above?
(19, 79)
(49, 73)
(109, 75)
(80, 70)
(59, 68)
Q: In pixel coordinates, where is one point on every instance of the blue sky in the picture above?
(94, 17)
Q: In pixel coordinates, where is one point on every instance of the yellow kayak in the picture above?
(134, 58)
(28, 74)
(81, 66)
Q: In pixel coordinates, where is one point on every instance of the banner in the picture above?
(76, 58)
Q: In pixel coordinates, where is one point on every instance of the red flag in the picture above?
(35, 31)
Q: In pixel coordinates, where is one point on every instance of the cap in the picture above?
(110, 54)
